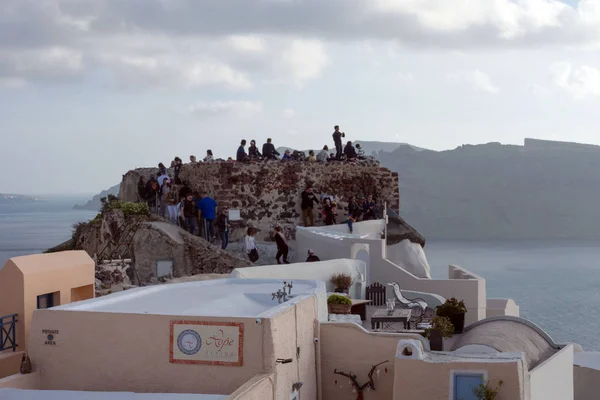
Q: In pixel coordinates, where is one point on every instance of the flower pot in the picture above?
(339, 308)
(436, 341)
(341, 290)
(458, 320)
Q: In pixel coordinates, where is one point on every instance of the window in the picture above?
(45, 301)
(464, 382)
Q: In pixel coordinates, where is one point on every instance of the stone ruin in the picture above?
(268, 193)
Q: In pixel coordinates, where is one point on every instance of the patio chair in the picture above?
(417, 305)
(376, 293)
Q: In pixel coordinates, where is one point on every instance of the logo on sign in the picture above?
(189, 342)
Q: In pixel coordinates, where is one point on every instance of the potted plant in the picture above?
(441, 328)
(338, 304)
(341, 282)
(455, 310)
(485, 391)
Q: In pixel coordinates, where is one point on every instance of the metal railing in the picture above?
(8, 332)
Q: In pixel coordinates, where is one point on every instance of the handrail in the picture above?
(8, 336)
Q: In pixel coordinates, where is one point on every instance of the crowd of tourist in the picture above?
(198, 213)
(349, 152)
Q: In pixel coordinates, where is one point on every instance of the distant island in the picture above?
(6, 198)
(539, 191)
(94, 204)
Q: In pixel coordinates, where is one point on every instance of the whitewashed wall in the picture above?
(553, 379)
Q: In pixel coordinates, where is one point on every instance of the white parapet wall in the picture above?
(366, 244)
(501, 308)
(318, 271)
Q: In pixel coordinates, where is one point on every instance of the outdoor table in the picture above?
(359, 306)
(386, 319)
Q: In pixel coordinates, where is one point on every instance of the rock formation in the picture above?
(147, 240)
(268, 193)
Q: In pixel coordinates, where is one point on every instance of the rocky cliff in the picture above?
(268, 194)
(95, 202)
(148, 240)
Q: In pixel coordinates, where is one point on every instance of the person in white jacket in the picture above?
(250, 245)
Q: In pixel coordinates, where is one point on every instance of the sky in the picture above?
(92, 88)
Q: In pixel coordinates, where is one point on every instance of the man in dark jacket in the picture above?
(337, 139)
(241, 155)
(308, 199)
(268, 151)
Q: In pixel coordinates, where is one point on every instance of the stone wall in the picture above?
(269, 193)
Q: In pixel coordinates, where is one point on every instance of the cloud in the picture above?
(538, 90)
(31, 65)
(238, 108)
(406, 78)
(476, 79)
(289, 113)
(432, 23)
(580, 81)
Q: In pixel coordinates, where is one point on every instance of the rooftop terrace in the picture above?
(218, 298)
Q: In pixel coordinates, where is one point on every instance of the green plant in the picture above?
(443, 325)
(338, 299)
(341, 281)
(485, 391)
(451, 308)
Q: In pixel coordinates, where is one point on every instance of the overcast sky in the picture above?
(92, 88)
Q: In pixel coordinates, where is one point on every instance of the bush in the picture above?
(487, 392)
(341, 281)
(338, 299)
(451, 308)
(442, 325)
(128, 208)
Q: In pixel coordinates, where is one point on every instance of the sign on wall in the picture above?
(234, 215)
(207, 342)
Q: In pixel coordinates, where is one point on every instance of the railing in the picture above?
(8, 332)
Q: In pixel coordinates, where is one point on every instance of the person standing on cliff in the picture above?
(282, 246)
(189, 212)
(177, 170)
(268, 151)
(337, 139)
(141, 189)
(223, 226)
(251, 245)
(208, 212)
(308, 200)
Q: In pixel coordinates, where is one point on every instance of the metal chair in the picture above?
(417, 305)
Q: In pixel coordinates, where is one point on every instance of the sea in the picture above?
(556, 284)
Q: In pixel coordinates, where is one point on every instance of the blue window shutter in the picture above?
(464, 384)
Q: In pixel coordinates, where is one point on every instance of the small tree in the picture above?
(486, 391)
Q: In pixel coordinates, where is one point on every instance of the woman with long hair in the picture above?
(329, 212)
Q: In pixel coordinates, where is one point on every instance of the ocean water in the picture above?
(556, 285)
(34, 227)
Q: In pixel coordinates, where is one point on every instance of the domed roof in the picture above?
(510, 334)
